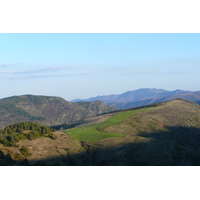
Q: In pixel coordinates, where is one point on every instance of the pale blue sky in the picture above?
(85, 65)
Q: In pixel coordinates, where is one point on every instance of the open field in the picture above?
(93, 133)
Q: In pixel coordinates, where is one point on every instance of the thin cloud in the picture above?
(38, 76)
(50, 72)
(141, 72)
(175, 72)
(5, 64)
(2, 72)
(50, 69)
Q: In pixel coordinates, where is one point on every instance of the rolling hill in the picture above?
(49, 111)
(163, 134)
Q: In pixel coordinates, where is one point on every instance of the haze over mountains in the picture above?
(143, 97)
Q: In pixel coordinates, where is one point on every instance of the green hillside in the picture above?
(95, 133)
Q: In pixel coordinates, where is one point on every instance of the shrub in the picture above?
(24, 151)
(16, 137)
(54, 137)
(30, 136)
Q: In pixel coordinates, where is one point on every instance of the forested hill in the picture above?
(47, 110)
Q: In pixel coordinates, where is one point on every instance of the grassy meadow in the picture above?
(92, 134)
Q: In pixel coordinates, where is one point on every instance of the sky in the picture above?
(83, 65)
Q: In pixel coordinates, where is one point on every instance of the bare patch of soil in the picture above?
(49, 149)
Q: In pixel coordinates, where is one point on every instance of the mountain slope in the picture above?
(192, 96)
(198, 102)
(178, 112)
(47, 110)
(135, 95)
(168, 134)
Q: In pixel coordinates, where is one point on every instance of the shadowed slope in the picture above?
(160, 148)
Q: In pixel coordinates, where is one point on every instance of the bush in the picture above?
(54, 137)
(30, 136)
(24, 151)
(16, 137)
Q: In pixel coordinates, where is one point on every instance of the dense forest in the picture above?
(24, 130)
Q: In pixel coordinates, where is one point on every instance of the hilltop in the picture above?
(166, 133)
(47, 110)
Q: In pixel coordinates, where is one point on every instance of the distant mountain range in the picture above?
(46, 110)
(143, 97)
(55, 111)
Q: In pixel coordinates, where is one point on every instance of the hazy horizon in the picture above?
(75, 65)
(96, 95)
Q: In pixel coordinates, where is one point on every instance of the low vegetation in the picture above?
(24, 150)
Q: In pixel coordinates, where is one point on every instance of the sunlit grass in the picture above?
(91, 133)
(91, 136)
